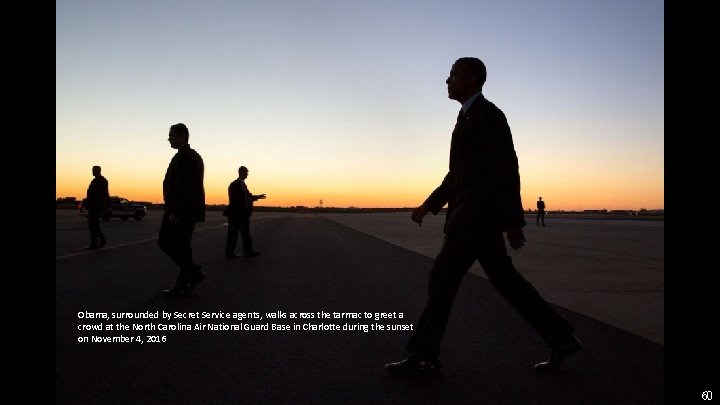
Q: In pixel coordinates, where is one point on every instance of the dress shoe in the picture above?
(415, 366)
(92, 247)
(252, 254)
(233, 255)
(173, 292)
(558, 353)
(196, 278)
(103, 242)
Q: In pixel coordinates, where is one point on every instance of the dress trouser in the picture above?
(94, 225)
(454, 260)
(238, 223)
(174, 240)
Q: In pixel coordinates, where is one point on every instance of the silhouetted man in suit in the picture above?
(540, 212)
(238, 211)
(482, 190)
(184, 197)
(97, 202)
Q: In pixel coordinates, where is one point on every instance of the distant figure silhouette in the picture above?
(540, 212)
(184, 196)
(238, 211)
(97, 202)
(482, 190)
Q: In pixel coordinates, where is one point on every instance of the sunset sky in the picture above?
(346, 102)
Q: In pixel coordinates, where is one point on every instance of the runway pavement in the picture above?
(611, 270)
(311, 264)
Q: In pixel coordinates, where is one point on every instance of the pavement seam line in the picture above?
(129, 243)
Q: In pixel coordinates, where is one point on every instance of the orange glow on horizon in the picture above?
(573, 199)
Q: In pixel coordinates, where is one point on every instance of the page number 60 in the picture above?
(707, 395)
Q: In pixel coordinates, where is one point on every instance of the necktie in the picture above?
(455, 135)
(460, 119)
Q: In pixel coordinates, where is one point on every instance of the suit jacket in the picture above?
(98, 196)
(183, 189)
(240, 200)
(541, 205)
(482, 186)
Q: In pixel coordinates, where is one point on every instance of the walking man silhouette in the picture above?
(238, 212)
(96, 203)
(482, 190)
(184, 196)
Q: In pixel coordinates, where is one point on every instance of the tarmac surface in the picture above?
(605, 278)
(611, 270)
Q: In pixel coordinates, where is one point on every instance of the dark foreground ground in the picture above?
(311, 264)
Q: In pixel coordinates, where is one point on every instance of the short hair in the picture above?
(243, 168)
(476, 67)
(180, 129)
(96, 169)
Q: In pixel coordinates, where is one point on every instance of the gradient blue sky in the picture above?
(346, 101)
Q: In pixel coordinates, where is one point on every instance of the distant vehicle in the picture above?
(119, 208)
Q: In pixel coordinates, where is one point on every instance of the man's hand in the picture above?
(173, 219)
(516, 237)
(260, 197)
(419, 213)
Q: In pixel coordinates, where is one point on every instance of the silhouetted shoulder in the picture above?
(194, 153)
(494, 111)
